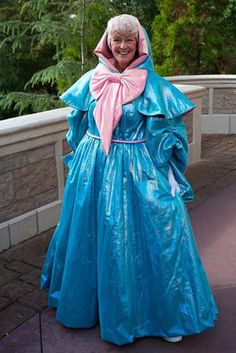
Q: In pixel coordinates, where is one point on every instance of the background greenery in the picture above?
(46, 45)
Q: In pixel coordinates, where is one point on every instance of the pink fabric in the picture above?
(111, 90)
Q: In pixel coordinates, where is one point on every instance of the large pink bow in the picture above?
(111, 90)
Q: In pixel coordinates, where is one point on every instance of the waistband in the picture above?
(117, 141)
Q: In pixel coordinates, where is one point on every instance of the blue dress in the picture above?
(123, 254)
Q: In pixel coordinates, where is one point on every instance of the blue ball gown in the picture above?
(123, 253)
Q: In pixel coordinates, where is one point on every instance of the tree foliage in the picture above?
(54, 42)
(195, 37)
(45, 45)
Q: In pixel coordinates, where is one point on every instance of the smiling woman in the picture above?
(123, 253)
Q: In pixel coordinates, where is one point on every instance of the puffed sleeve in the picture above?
(79, 97)
(78, 124)
(168, 146)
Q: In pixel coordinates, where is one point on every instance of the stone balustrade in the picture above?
(32, 174)
(219, 101)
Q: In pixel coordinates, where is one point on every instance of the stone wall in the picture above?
(28, 180)
(32, 173)
(219, 101)
(188, 120)
(224, 100)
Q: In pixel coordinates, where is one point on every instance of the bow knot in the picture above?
(115, 78)
(110, 97)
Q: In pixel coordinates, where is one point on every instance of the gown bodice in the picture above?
(132, 125)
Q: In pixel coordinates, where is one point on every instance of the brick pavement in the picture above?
(217, 168)
(21, 301)
(20, 268)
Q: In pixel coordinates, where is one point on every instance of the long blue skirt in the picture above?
(123, 254)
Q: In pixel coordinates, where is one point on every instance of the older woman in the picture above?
(123, 253)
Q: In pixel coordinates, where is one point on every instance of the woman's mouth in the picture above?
(124, 53)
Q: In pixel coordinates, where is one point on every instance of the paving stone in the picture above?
(15, 289)
(37, 248)
(217, 149)
(24, 339)
(6, 275)
(30, 249)
(57, 338)
(16, 252)
(4, 302)
(213, 224)
(2, 261)
(32, 277)
(37, 300)
(202, 175)
(18, 266)
(232, 149)
(12, 316)
(227, 180)
(35, 258)
(40, 241)
(207, 192)
(224, 160)
(212, 139)
(211, 143)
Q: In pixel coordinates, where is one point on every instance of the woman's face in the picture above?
(123, 47)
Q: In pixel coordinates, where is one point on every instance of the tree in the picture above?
(60, 36)
(19, 60)
(192, 37)
(143, 10)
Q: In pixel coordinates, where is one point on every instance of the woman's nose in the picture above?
(123, 44)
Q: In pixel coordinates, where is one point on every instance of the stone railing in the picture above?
(219, 101)
(32, 173)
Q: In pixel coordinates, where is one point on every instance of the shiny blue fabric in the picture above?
(123, 253)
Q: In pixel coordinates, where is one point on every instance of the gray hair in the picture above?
(122, 23)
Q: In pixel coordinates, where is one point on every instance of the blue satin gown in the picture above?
(123, 254)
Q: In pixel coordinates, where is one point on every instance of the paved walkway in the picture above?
(28, 326)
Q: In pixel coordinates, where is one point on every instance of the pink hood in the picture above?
(103, 51)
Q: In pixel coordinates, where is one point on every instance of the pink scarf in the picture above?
(112, 90)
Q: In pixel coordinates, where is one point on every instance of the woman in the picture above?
(123, 252)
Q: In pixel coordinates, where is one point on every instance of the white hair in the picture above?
(122, 23)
